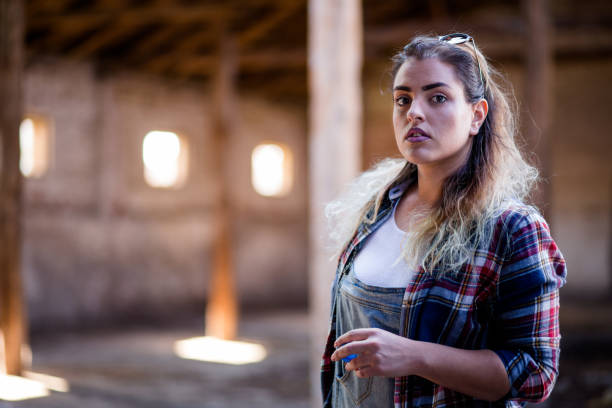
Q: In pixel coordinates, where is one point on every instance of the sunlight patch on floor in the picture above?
(216, 350)
(13, 388)
(52, 383)
(31, 385)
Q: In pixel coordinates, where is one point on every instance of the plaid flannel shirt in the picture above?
(506, 300)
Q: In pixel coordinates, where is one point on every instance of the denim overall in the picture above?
(359, 306)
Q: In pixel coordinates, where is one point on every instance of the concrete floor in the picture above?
(138, 368)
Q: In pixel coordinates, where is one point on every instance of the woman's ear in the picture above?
(480, 111)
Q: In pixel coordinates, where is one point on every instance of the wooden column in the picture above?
(335, 49)
(222, 308)
(12, 320)
(539, 74)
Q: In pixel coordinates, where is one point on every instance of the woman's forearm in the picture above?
(479, 373)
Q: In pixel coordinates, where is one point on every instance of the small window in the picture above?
(165, 159)
(34, 135)
(272, 170)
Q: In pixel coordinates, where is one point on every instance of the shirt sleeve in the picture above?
(526, 325)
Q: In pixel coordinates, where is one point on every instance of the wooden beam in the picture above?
(253, 61)
(335, 55)
(45, 6)
(109, 35)
(222, 307)
(60, 35)
(499, 35)
(438, 9)
(186, 48)
(396, 35)
(12, 315)
(292, 86)
(149, 45)
(255, 32)
(152, 13)
(539, 71)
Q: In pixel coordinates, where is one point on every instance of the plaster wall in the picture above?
(101, 246)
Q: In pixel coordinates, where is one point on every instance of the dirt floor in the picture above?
(136, 367)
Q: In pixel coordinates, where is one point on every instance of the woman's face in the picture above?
(432, 120)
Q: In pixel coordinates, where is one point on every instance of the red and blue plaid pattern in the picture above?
(506, 300)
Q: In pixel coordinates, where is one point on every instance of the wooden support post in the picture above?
(335, 34)
(222, 308)
(539, 70)
(12, 320)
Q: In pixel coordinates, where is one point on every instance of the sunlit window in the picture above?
(272, 170)
(165, 158)
(34, 145)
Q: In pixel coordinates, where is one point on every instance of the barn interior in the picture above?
(165, 164)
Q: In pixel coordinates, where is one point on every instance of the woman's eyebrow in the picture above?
(402, 88)
(434, 85)
(425, 88)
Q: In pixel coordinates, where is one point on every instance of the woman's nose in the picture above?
(415, 113)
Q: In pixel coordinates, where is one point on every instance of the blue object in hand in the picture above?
(349, 358)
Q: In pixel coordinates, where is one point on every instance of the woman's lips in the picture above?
(416, 135)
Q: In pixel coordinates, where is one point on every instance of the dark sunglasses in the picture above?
(461, 38)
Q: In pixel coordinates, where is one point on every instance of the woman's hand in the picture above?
(479, 373)
(379, 353)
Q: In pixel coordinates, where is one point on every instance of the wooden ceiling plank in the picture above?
(176, 14)
(400, 33)
(61, 35)
(45, 6)
(257, 31)
(438, 8)
(248, 62)
(95, 43)
(498, 37)
(262, 60)
(187, 48)
(152, 42)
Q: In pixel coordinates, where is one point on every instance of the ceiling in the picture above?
(180, 39)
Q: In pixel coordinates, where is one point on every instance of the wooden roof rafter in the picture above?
(503, 37)
(151, 45)
(283, 11)
(132, 15)
(109, 34)
(248, 62)
(188, 46)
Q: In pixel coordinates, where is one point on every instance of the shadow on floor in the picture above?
(138, 368)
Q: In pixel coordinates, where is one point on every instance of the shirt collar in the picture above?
(397, 191)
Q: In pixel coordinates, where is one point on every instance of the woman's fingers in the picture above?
(349, 352)
(378, 353)
(354, 342)
(364, 372)
(364, 366)
(353, 335)
(359, 363)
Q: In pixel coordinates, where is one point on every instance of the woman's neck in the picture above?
(424, 196)
(429, 186)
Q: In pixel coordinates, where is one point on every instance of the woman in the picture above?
(446, 291)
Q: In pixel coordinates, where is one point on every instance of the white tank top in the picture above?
(380, 262)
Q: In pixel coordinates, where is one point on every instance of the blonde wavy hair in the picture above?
(494, 176)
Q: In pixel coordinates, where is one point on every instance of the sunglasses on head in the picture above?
(461, 38)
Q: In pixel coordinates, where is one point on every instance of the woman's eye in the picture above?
(438, 99)
(403, 100)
